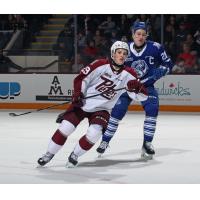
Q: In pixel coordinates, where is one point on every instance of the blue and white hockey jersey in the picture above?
(147, 60)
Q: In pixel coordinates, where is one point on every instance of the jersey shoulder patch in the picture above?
(156, 44)
(94, 65)
(98, 63)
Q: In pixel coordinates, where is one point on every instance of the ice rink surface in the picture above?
(25, 138)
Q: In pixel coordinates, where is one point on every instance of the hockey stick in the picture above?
(56, 105)
(46, 108)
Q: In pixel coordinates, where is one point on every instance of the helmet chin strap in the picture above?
(117, 65)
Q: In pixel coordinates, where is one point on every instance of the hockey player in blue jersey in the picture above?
(151, 62)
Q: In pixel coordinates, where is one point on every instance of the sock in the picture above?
(83, 146)
(56, 142)
(111, 129)
(149, 128)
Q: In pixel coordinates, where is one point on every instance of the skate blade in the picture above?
(40, 166)
(70, 165)
(100, 155)
(146, 156)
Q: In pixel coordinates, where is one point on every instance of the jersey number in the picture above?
(164, 56)
(85, 70)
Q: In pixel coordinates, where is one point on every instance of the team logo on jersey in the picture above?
(106, 88)
(140, 67)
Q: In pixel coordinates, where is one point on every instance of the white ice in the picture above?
(25, 138)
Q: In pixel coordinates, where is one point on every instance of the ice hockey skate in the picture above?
(102, 148)
(147, 151)
(45, 159)
(72, 161)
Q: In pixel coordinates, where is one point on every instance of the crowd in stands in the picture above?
(96, 33)
(30, 24)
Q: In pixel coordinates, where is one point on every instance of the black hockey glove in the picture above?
(60, 117)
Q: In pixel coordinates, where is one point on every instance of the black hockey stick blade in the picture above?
(15, 115)
(46, 108)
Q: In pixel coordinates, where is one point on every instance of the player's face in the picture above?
(139, 37)
(120, 56)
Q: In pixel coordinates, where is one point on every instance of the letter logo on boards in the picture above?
(9, 89)
(55, 92)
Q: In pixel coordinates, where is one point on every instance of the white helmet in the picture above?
(119, 45)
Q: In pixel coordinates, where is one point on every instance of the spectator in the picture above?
(65, 41)
(185, 19)
(81, 40)
(180, 36)
(64, 34)
(97, 38)
(169, 43)
(124, 38)
(104, 47)
(124, 25)
(107, 26)
(16, 22)
(179, 67)
(197, 41)
(144, 18)
(190, 41)
(113, 37)
(169, 34)
(90, 52)
(189, 58)
(172, 21)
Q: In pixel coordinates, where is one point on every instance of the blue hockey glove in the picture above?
(160, 72)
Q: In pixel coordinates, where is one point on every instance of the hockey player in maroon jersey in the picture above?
(101, 77)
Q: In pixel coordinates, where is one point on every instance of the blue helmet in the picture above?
(139, 25)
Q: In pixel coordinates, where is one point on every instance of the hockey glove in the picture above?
(160, 72)
(136, 86)
(77, 99)
(60, 117)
